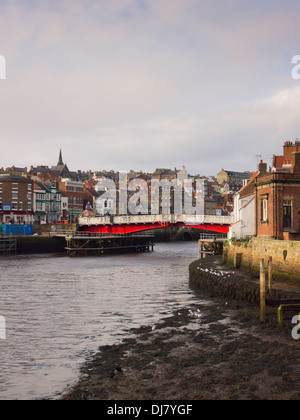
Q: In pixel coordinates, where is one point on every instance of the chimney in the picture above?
(263, 168)
(296, 163)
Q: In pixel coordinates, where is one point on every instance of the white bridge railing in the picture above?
(150, 219)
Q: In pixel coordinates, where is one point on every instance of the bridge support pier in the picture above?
(99, 245)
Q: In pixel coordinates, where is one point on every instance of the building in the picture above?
(278, 196)
(284, 163)
(64, 209)
(47, 204)
(244, 208)
(233, 179)
(90, 196)
(16, 199)
(61, 169)
(162, 173)
(73, 191)
(44, 173)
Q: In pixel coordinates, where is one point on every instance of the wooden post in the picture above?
(270, 273)
(279, 315)
(262, 291)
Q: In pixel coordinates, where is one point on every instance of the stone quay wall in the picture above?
(209, 275)
(248, 254)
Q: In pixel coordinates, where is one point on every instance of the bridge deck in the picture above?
(150, 219)
(130, 224)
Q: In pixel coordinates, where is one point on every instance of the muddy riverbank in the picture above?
(213, 349)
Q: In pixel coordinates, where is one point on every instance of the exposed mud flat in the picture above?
(216, 350)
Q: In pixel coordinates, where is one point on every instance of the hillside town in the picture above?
(263, 203)
(47, 195)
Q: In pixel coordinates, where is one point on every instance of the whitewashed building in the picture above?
(244, 211)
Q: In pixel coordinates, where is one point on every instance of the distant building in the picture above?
(232, 178)
(73, 191)
(165, 174)
(44, 173)
(46, 203)
(210, 206)
(182, 175)
(61, 168)
(16, 171)
(16, 199)
(90, 196)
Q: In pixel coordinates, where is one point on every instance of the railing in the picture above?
(150, 219)
(209, 236)
(8, 243)
(100, 235)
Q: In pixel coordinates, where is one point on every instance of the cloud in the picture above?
(147, 83)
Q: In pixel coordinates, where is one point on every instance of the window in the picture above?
(14, 206)
(14, 195)
(40, 206)
(287, 214)
(264, 210)
(20, 206)
(15, 185)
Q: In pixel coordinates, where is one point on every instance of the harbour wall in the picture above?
(223, 282)
(285, 256)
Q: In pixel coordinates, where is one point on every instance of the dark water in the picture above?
(59, 310)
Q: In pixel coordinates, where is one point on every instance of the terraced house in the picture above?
(46, 203)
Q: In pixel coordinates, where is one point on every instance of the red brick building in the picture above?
(16, 199)
(278, 196)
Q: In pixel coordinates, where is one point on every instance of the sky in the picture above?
(146, 84)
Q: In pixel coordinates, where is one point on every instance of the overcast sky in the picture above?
(141, 84)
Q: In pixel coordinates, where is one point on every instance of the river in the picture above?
(59, 310)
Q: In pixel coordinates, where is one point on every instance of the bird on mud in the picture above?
(117, 370)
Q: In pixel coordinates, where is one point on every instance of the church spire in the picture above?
(60, 161)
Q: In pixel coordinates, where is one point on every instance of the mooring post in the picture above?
(279, 315)
(270, 273)
(262, 291)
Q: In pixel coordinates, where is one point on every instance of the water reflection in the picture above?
(59, 310)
